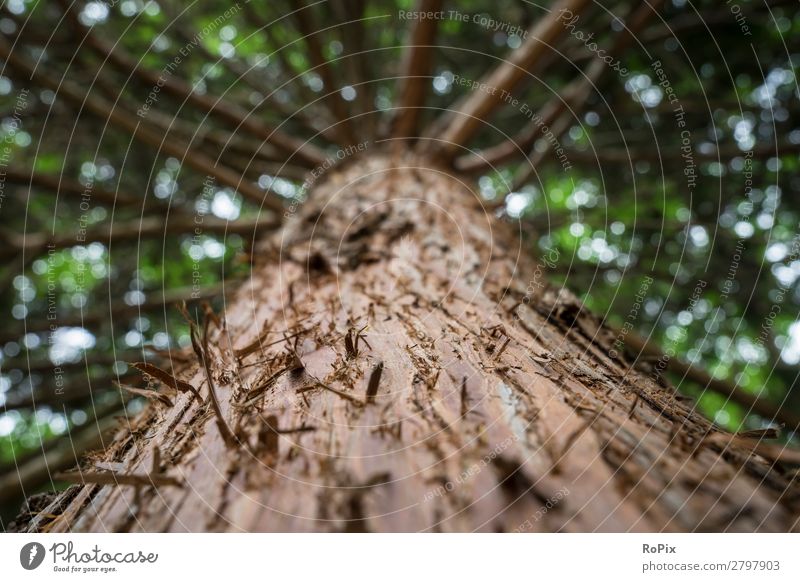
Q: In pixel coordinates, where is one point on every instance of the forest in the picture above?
(400, 265)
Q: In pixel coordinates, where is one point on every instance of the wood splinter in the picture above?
(351, 339)
(110, 478)
(374, 382)
(502, 348)
(201, 351)
(269, 438)
(464, 403)
(320, 384)
(167, 378)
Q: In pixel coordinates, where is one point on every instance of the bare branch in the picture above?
(64, 453)
(417, 65)
(120, 309)
(751, 403)
(212, 104)
(352, 33)
(514, 147)
(308, 28)
(61, 184)
(133, 230)
(569, 103)
(304, 93)
(251, 77)
(29, 365)
(138, 129)
(639, 153)
(713, 19)
(78, 390)
(478, 106)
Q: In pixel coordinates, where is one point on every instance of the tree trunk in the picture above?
(478, 397)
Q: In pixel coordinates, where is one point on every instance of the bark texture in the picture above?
(477, 397)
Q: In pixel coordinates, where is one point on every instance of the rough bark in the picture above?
(479, 400)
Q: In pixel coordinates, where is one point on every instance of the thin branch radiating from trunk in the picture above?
(292, 73)
(78, 392)
(64, 185)
(514, 147)
(479, 105)
(90, 359)
(417, 65)
(153, 301)
(652, 153)
(352, 33)
(249, 75)
(139, 129)
(750, 402)
(64, 453)
(212, 104)
(337, 106)
(575, 99)
(568, 102)
(133, 230)
(712, 18)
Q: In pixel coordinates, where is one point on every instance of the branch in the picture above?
(211, 104)
(60, 184)
(219, 141)
(513, 147)
(307, 27)
(567, 104)
(250, 77)
(479, 105)
(254, 169)
(648, 153)
(713, 19)
(29, 365)
(77, 390)
(139, 129)
(153, 301)
(416, 68)
(751, 403)
(352, 34)
(65, 453)
(134, 230)
(304, 93)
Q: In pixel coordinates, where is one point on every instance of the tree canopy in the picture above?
(648, 153)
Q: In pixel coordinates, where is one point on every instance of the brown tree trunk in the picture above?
(477, 398)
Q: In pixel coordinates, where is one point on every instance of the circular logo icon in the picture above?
(31, 555)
